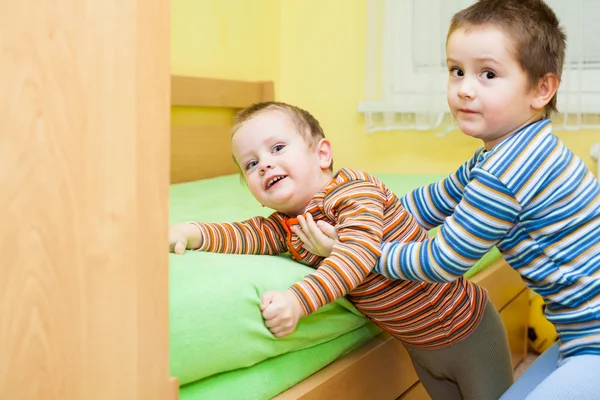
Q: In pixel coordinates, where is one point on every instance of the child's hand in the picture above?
(281, 312)
(183, 236)
(318, 237)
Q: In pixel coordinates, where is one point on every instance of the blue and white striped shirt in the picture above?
(538, 203)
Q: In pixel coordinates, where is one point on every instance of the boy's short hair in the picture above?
(307, 125)
(538, 38)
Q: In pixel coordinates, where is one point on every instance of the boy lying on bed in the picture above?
(454, 335)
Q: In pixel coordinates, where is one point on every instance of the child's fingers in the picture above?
(272, 322)
(300, 233)
(312, 225)
(316, 234)
(265, 299)
(306, 234)
(281, 331)
(309, 248)
(327, 229)
(278, 328)
(318, 237)
(271, 312)
(276, 332)
(307, 224)
(179, 247)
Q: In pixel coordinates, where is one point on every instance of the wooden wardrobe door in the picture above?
(84, 175)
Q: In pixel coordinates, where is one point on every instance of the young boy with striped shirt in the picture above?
(457, 339)
(523, 191)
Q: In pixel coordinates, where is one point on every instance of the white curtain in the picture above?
(406, 75)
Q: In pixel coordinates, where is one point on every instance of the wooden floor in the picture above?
(526, 363)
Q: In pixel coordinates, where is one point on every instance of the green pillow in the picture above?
(215, 321)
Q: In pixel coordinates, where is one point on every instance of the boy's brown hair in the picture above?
(307, 125)
(539, 40)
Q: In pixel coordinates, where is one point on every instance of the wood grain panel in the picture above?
(515, 318)
(379, 369)
(417, 392)
(200, 152)
(84, 122)
(502, 282)
(152, 155)
(206, 92)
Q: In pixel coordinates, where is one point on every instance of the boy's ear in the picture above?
(325, 153)
(545, 90)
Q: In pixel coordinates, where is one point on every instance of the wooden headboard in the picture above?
(200, 151)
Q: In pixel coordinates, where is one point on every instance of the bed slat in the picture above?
(200, 152)
(205, 92)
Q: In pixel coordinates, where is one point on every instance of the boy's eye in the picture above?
(488, 75)
(277, 148)
(251, 164)
(456, 72)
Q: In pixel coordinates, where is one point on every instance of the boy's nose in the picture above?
(264, 167)
(465, 89)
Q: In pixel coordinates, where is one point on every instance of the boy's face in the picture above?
(282, 170)
(488, 91)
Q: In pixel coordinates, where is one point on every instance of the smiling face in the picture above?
(282, 168)
(488, 92)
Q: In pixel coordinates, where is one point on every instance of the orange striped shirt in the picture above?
(365, 213)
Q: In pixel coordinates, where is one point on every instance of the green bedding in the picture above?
(220, 348)
(215, 321)
(270, 377)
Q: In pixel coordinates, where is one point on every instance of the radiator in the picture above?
(595, 151)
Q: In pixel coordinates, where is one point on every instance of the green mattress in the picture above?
(219, 346)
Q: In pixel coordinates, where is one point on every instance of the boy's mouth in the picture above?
(274, 180)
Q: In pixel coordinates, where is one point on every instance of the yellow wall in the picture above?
(314, 50)
(229, 39)
(226, 39)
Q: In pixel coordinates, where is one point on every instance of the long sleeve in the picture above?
(257, 235)
(486, 213)
(359, 208)
(431, 204)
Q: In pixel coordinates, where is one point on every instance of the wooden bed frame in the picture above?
(381, 368)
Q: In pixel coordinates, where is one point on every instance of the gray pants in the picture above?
(478, 367)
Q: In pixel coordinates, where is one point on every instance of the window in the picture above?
(406, 69)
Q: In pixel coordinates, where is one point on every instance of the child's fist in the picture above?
(178, 237)
(281, 312)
